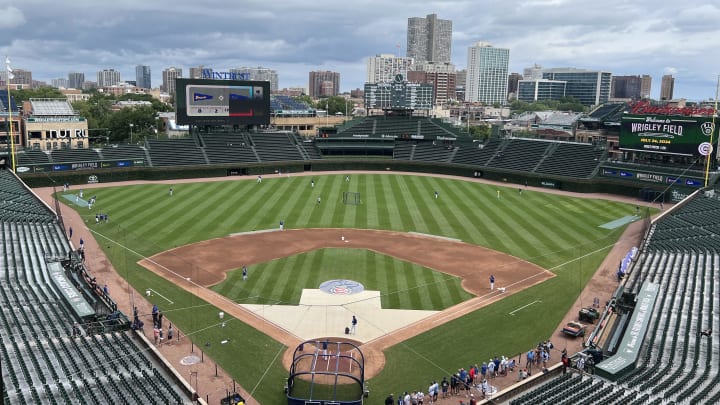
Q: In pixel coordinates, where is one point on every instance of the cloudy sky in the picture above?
(52, 38)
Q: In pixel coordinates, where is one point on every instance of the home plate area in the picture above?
(328, 311)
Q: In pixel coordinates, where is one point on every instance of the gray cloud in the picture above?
(294, 37)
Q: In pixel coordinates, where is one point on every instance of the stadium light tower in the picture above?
(131, 127)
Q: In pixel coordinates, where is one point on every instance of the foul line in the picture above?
(524, 306)
(166, 298)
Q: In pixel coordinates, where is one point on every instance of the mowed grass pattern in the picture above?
(402, 285)
(557, 232)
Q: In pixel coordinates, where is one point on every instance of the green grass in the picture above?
(402, 285)
(549, 230)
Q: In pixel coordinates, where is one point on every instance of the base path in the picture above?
(197, 266)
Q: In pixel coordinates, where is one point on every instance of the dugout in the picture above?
(326, 372)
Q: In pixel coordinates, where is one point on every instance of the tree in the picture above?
(40, 92)
(335, 104)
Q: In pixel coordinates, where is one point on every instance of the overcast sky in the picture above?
(52, 38)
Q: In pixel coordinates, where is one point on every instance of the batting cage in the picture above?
(351, 198)
(325, 372)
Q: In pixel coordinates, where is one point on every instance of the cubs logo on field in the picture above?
(342, 287)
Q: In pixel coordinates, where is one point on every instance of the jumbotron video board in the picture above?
(222, 102)
(671, 134)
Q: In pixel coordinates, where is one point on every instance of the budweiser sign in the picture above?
(644, 107)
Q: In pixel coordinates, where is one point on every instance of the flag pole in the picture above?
(709, 155)
(10, 123)
(9, 108)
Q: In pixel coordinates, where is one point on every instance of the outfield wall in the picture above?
(512, 178)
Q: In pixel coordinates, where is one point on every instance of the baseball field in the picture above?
(433, 244)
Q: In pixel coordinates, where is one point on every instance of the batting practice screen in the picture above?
(673, 134)
(222, 102)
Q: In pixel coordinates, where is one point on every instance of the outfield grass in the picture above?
(402, 285)
(545, 229)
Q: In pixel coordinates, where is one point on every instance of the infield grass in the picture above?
(402, 285)
(556, 232)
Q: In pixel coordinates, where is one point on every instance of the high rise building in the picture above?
(76, 80)
(487, 74)
(143, 77)
(324, 84)
(168, 76)
(59, 83)
(542, 89)
(22, 79)
(589, 87)
(429, 39)
(645, 86)
(627, 87)
(197, 72)
(260, 74)
(440, 75)
(667, 87)
(108, 77)
(513, 80)
(384, 67)
(533, 72)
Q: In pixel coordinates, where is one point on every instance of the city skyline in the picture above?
(653, 38)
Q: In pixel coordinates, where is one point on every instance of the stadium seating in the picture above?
(123, 152)
(228, 148)
(475, 154)
(175, 152)
(275, 147)
(32, 157)
(571, 160)
(42, 363)
(521, 154)
(74, 155)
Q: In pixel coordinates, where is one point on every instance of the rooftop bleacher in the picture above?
(280, 102)
(53, 107)
(4, 103)
(604, 111)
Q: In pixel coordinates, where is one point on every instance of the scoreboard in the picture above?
(399, 95)
(222, 102)
(671, 134)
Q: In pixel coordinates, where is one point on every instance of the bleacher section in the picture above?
(74, 155)
(123, 152)
(521, 154)
(572, 160)
(309, 149)
(228, 148)
(284, 104)
(677, 362)
(175, 152)
(573, 388)
(32, 157)
(471, 153)
(275, 147)
(42, 363)
(398, 127)
(18, 203)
